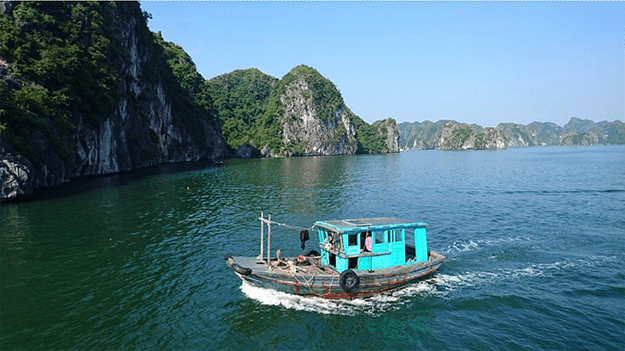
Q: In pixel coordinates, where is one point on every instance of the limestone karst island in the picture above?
(87, 89)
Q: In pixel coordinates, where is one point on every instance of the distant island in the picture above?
(451, 135)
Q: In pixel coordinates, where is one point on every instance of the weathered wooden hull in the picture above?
(315, 280)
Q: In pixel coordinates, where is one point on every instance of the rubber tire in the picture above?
(241, 270)
(311, 253)
(349, 281)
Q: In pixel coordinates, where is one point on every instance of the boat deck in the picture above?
(261, 266)
(314, 268)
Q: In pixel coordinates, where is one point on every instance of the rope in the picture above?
(294, 227)
(307, 283)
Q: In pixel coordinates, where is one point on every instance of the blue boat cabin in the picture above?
(393, 242)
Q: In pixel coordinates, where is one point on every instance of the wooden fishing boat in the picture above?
(356, 258)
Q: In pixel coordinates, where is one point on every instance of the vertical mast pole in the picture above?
(269, 241)
(262, 227)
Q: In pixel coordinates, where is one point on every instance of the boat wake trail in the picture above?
(445, 286)
(371, 305)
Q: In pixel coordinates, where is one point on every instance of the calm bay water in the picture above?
(534, 239)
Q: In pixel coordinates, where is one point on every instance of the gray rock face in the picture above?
(13, 175)
(422, 135)
(138, 133)
(389, 131)
(305, 133)
(247, 151)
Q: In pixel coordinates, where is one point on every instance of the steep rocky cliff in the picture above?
(388, 131)
(313, 117)
(86, 89)
(456, 136)
(422, 135)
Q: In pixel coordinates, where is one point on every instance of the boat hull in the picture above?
(315, 280)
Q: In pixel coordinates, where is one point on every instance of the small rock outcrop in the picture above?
(456, 136)
(388, 131)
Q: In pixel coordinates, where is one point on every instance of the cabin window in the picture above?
(394, 236)
(379, 237)
(410, 245)
(352, 240)
(352, 262)
(399, 237)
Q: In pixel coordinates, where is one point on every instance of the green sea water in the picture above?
(534, 239)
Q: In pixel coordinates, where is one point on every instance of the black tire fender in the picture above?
(349, 280)
(311, 253)
(241, 270)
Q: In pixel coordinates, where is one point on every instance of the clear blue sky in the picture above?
(473, 62)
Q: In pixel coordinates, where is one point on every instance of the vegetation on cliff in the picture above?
(60, 67)
(193, 102)
(374, 138)
(257, 109)
(87, 89)
(325, 94)
(57, 55)
(306, 115)
(240, 99)
(456, 136)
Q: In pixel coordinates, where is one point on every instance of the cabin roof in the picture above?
(364, 224)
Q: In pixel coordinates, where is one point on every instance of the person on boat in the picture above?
(368, 242)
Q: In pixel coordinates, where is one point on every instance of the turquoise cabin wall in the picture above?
(325, 256)
(421, 245)
(364, 263)
(382, 261)
(397, 247)
(390, 245)
(342, 264)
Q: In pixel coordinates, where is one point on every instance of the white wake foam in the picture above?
(370, 305)
(439, 285)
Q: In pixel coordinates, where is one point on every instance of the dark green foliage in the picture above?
(241, 98)
(180, 64)
(65, 61)
(67, 48)
(60, 54)
(251, 111)
(459, 136)
(369, 142)
(480, 143)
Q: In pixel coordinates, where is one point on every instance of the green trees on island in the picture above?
(251, 111)
(241, 99)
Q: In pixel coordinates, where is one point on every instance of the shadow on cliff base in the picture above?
(90, 183)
